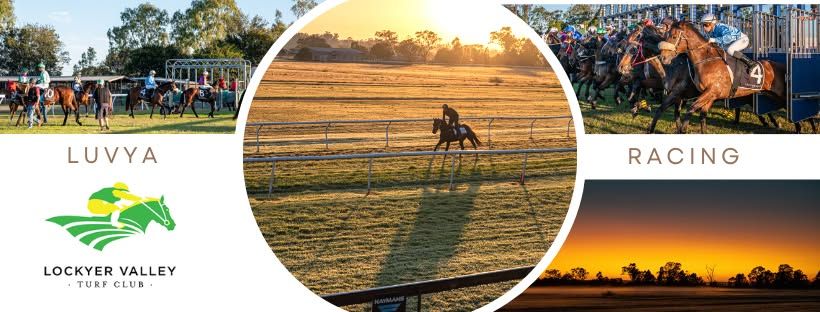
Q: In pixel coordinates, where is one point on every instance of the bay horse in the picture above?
(711, 75)
(65, 97)
(84, 97)
(134, 98)
(14, 98)
(448, 135)
(606, 72)
(207, 95)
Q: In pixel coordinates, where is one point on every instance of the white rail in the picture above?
(371, 156)
(388, 122)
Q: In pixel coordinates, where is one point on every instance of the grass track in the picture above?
(609, 119)
(411, 227)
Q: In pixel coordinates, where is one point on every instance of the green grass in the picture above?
(121, 123)
(608, 118)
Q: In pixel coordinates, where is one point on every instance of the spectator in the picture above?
(104, 101)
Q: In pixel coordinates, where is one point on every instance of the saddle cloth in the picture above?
(461, 130)
(744, 77)
(203, 93)
(146, 94)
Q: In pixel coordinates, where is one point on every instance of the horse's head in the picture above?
(437, 124)
(169, 86)
(630, 47)
(680, 37)
(156, 210)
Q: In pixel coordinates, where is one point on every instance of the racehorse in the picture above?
(239, 105)
(637, 50)
(711, 76)
(65, 97)
(448, 135)
(207, 95)
(586, 68)
(15, 100)
(84, 97)
(606, 72)
(134, 98)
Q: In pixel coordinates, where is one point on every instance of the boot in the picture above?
(743, 58)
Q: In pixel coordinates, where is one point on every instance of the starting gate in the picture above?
(186, 72)
(786, 34)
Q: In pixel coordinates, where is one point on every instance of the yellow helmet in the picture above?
(121, 186)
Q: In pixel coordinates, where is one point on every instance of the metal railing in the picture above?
(427, 287)
(389, 122)
(371, 156)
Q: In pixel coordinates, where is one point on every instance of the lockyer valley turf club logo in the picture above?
(112, 220)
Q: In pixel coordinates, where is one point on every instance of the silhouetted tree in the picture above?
(409, 49)
(738, 280)
(426, 40)
(579, 273)
(301, 7)
(382, 50)
(632, 271)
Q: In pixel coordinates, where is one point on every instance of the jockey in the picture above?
(203, 81)
(43, 79)
(78, 84)
(727, 37)
(552, 36)
(453, 117)
(23, 78)
(104, 202)
(150, 84)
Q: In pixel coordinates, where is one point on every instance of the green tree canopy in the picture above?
(301, 7)
(6, 15)
(205, 22)
(31, 44)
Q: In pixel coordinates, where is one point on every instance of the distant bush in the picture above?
(496, 80)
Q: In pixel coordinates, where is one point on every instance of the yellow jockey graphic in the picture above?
(106, 200)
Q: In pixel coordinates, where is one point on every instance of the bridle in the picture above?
(162, 207)
(688, 51)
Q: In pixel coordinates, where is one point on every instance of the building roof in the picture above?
(71, 78)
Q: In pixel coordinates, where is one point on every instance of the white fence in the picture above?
(388, 122)
(371, 156)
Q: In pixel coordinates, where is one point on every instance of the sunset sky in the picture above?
(471, 21)
(733, 225)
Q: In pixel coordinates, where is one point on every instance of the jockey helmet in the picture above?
(24, 70)
(569, 28)
(601, 30)
(709, 18)
(100, 82)
(592, 29)
(553, 30)
(152, 72)
(41, 65)
(648, 22)
(631, 27)
(121, 185)
(205, 72)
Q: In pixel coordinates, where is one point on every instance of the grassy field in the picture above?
(608, 118)
(664, 299)
(411, 227)
(121, 123)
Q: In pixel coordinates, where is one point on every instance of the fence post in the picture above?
(257, 137)
(568, 124)
(489, 134)
(369, 174)
(272, 177)
(418, 302)
(531, 125)
(524, 168)
(387, 135)
(327, 144)
(452, 172)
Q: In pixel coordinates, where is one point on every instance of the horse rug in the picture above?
(744, 77)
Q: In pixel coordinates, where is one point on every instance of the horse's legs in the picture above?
(182, 111)
(437, 145)
(211, 114)
(813, 125)
(461, 143)
(702, 122)
(664, 106)
(447, 147)
(797, 128)
(151, 116)
(193, 109)
(65, 114)
(77, 115)
(737, 116)
(700, 105)
(774, 121)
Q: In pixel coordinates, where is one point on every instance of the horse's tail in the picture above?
(128, 100)
(96, 232)
(472, 133)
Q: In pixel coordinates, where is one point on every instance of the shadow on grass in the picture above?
(420, 249)
(199, 125)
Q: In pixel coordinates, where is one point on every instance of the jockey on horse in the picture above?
(452, 121)
(729, 38)
(150, 85)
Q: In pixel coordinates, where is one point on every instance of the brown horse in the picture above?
(207, 95)
(84, 97)
(14, 98)
(65, 97)
(134, 98)
(711, 76)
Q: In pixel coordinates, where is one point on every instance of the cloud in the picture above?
(60, 16)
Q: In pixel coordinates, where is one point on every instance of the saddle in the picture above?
(460, 131)
(147, 94)
(742, 76)
(204, 93)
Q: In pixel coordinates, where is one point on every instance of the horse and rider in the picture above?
(452, 131)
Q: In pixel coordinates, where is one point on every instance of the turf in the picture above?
(411, 227)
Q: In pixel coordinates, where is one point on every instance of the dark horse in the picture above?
(134, 98)
(448, 135)
(711, 75)
(84, 97)
(207, 95)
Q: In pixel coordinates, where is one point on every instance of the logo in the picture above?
(111, 220)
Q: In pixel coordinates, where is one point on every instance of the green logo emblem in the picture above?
(113, 221)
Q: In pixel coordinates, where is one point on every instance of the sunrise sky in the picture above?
(733, 225)
(471, 21)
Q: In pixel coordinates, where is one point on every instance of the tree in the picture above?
(738, 280)
(278, 27)
(710, 274)
(550, 274)
(219, 49)
(760, 277)
(313, 41)
(149, 57)
(205, 22)
(409, 49)
(541, 19)
(427, 40)
(144, 25)
(647, 277)
(579, 273)
(632, 271)
(31, 44)
(600, 276)
(507, 40)
(7, 18)
(580, 14)
(457, 51)
(253, 41)
(382, 50)
(301, 7)
(88, 66)
(388, 36)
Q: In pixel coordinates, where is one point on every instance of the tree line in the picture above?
(427, 46)
(146, 37)
(673, 274)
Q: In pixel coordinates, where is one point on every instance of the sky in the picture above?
(360, 19)
(83, 23)
(732, 225)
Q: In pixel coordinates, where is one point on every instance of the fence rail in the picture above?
(426, 287)
(371, 156)
(389, 122)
